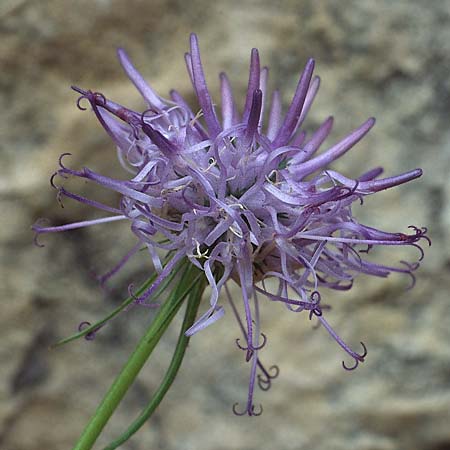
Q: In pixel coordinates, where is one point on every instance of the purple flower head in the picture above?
(241, 199)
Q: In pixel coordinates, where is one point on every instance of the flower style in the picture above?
(241, 200)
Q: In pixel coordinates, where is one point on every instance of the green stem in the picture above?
(183, 341)
(140, 355)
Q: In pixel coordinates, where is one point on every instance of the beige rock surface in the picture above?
(385, 59)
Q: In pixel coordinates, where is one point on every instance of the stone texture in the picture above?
(386, 59)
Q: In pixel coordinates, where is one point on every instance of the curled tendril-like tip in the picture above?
(149, 110)
(132, 294)
(240, 346)
(421, 232)
(265, 380)
(250, 348)
(411, 269)
(61, 158)
(364, 354)
(83, 325)
(347, 192)
(260, 346)
(89, 336)
(315, 297)
(79, 100)
(355, 365)
(256, 412)
(92, 97)
(264, 383)
(413, 281)
(235, 410)
(276, 369)
(251, 411)
(316, 309)
(85, 95)
(357, 357)
(139, 300)
(52, 180)
(422, 253)
(36, 227)
(36, 240)
(367, 250)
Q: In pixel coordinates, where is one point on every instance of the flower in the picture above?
(240, 199)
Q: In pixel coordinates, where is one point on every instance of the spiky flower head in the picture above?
(241, 199)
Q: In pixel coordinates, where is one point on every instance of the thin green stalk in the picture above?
(183, 341)
(140, 355)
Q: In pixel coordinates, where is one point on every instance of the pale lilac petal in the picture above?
(295, 109)
(313, 144)
(334, 152)
(150, 96)
(229, 110)
(201, 89)
(274, 116)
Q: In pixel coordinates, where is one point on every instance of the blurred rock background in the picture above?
(385, 59)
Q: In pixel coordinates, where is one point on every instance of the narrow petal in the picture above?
(150, 96)
(201, 88)
(310, 96)
(377, 185)
(295, 109)
(229, 110)
(274, 115)
(73, 226)
(121, 186)
(263, 87)
(334, 152)
(207, 319)
(314, 143)
(87, 201)
(188, 61)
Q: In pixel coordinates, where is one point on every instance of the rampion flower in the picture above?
(240, 199)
